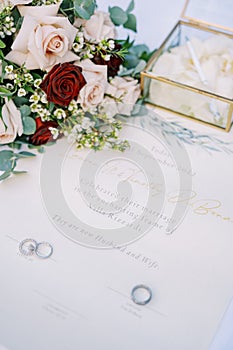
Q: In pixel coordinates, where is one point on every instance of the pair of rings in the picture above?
(29, 247)
(141, 294)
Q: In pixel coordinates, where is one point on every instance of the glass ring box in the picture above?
(192, 71)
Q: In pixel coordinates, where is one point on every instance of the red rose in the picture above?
(42, 134)
(113, 64)
(63, 83)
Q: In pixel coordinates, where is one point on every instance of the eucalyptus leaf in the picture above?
(5, 175)
(139, 109)
(88, 3)
(84, 8)
(140, 49)
(130, 7)
(15, 145)
(118, 16)
(131, 23)
(20, 101)
(41, 149)
(25, 154)
(140, 66)
(81, 12)
(25, 111)
(126, 72)
(7, 160)
(29, 125)
(17, 172)
(131, 61)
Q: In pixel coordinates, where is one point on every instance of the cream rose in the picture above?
(91, 95)
(11, 123)
(43, 42)
(98, 27)
(39, 11)
(92, 71)
(20, 2)
(126, 90)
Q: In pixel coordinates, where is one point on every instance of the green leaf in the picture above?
(29, 125)
(139, 50)
(2, 45)
(139, 108)
(140, 66)
(29, 89)
(4, 64)
(149, 54)
(20, 101)
(126, 42)
(25, 154)
(7, 160)
(130, 7)
(19, 23)
(41, 149)
(82, 12)
(84, 8)
(25, 111)
(87, 3)
(15, 145)
(83, 3)
(51, 106)
(5, 175)
(131, 61)
(36, 76)
(5, 92)
(118, 16)
(126, 72)
(16, 172)
(131, 23)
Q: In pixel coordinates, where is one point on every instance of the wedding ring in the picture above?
(141, 294)
(44, 250)
(28, 247)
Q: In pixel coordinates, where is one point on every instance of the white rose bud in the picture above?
(91, 95)
(98, 27)
(127, 90)
(11, 123)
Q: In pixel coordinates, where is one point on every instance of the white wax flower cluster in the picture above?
(215, 55)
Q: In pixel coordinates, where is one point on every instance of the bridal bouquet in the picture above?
(64, 73)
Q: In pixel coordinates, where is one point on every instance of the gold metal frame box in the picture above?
(207, 23)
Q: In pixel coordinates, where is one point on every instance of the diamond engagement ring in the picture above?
(28, 247)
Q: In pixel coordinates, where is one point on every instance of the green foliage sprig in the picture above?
(8, 162)
(78, 8)
(125, 18)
